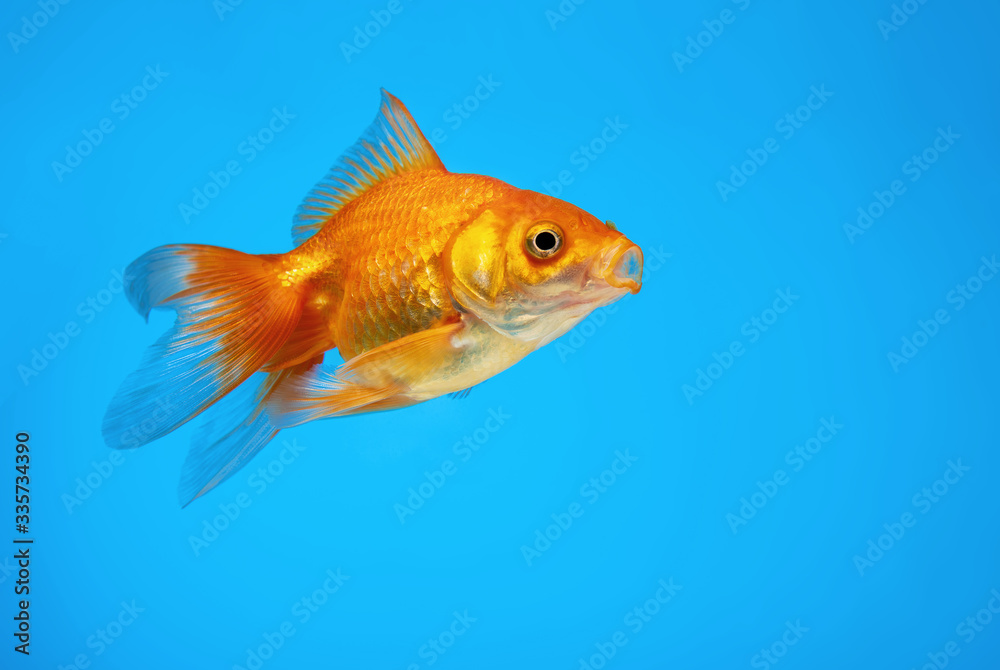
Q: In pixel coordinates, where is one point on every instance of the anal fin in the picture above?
(235, 430)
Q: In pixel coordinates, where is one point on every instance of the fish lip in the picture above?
(609, 266)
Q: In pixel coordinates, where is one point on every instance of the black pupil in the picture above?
(545, 241)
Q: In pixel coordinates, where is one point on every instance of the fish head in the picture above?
(533, 266)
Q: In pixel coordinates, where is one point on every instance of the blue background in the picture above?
(611, 385)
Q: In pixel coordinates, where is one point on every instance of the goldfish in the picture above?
(426, 282)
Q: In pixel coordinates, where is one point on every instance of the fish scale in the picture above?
(392, 285)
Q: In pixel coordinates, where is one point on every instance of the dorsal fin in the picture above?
(392, 145)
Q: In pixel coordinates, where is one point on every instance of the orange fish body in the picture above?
(383, 276)
(427, 283)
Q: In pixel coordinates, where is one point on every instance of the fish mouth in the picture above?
(621, 266)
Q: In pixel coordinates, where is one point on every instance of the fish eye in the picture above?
(544, 240)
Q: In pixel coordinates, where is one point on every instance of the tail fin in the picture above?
(237, 427)
(233, 314)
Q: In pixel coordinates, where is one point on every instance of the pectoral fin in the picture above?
(376, 380)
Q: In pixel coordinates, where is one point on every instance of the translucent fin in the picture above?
(233, 314)
(392, 145)
(322, 394)
(374, 380)
(236, 429)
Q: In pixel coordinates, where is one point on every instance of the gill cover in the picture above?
(492, 277)
(475, 262)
